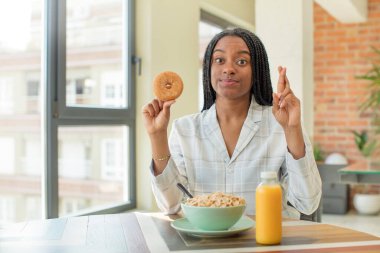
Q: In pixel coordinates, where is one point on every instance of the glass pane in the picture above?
(20, 115)
(93, 168)
(94, 50)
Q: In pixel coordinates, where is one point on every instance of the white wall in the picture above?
(167, 39)
(241, 10)
(288, 39)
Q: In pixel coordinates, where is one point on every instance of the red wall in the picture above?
(341, 52)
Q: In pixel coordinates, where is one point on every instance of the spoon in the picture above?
(184, 190)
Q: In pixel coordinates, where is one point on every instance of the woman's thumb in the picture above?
(167, 105)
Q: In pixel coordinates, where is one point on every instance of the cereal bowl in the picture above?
(212, 218)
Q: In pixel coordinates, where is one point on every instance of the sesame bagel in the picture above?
(167, 86)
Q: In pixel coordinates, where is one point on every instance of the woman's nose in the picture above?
(228, 68)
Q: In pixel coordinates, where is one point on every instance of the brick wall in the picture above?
(342, 52)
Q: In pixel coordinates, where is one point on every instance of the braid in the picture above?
(261, 82)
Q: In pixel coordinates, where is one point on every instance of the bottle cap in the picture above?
(268, 174)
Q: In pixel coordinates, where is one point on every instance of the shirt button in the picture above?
(229, 171)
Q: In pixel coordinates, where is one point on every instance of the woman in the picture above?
(243, 129)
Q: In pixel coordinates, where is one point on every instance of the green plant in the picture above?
(372, 100)
(362, 143)
(317, 153)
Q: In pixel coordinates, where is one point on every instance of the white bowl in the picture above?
(367, 203)
(336, 158)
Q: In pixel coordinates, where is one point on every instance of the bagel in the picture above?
(167, 86)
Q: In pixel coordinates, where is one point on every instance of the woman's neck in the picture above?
(231, 110)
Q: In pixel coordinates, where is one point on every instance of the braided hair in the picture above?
(261, 83)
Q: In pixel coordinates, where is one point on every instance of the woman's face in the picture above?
(231, 71)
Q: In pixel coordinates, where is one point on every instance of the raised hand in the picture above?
(156, 116)
(287, 111)
(286, 106)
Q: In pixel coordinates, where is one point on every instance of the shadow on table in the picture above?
(181, 241)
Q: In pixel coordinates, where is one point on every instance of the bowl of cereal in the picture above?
(216, 211)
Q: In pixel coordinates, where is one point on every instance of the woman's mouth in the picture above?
(228, 82)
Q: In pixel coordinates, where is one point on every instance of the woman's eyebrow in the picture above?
(244, 52)
(218, 50)
(240, 52)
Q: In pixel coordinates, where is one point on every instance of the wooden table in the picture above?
(143, 232)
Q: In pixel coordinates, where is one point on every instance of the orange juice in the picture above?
(268, 209)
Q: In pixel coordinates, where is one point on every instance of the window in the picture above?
(112, 159)
(33, 88)
(78, 96)
(72, 205)
(112, 91)
(32, 97)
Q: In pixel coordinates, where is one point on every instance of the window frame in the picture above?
(56, 113)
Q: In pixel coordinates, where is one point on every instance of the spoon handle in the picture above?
(184, 190)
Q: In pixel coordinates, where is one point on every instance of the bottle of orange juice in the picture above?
(268, 209)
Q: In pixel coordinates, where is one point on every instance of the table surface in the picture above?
(151, 232)
(357, 168)
(356, 174)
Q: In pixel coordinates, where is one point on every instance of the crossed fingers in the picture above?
(284, 93)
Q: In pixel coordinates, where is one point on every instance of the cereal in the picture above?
(216, 199)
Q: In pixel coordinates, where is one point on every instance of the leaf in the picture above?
(369, 148)
(359, 140)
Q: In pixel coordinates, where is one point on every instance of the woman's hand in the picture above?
(287, 111)
(286, 106)
(156, 116)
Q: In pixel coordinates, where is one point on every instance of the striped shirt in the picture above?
(200, 161)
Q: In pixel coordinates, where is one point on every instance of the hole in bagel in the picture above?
(168, 85)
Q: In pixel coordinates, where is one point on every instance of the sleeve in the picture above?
(164, 186)
(304, 186)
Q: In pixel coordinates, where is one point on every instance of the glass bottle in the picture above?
(268, 209)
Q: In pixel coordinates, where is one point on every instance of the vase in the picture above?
(367, 204)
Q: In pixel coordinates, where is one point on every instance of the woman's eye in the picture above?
(242, 62)
(219, 60)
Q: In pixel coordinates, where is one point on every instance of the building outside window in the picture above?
(6, 95)
(7, 210)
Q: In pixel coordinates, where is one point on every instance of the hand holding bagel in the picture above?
(156, 116)
(167, 86)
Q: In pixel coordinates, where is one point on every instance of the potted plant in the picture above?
(371, 103)
(367, 200)
(372, 100)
